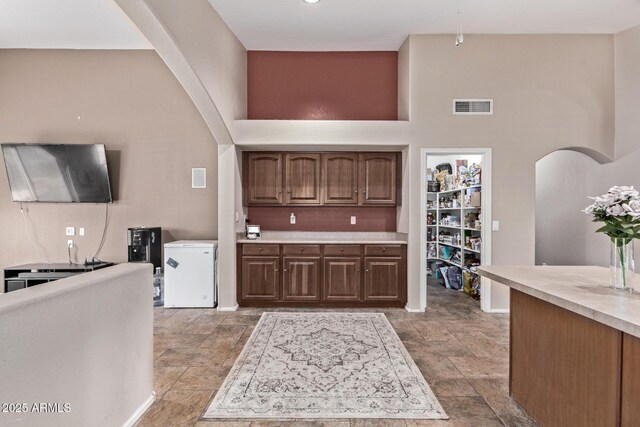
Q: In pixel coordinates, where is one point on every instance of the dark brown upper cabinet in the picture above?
(378, 176)
(264, 175)
(335, 179)
(302, 178)
(340, 178)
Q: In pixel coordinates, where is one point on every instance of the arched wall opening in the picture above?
(564, 180)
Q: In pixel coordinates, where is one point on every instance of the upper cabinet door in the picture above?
(378, 178)
(340, 178)
(302, 180)
(265, 178)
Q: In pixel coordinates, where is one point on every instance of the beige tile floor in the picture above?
(461, 351)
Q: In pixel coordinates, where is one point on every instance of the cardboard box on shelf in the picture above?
(475, 199)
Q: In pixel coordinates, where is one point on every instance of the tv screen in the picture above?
(57, 173)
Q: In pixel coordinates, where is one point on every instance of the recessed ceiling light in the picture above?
(311, 1)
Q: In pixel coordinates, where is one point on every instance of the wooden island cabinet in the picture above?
(574, 345)
(322, 275)
(318, 179)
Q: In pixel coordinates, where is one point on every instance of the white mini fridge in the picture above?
(190, 273)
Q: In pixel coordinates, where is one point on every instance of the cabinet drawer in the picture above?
(383, 250)
(255, 249)
(301, 250)
(339, 250)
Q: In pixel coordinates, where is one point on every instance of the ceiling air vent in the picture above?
(473, 106)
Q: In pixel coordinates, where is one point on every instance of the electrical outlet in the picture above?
(495, 226)
(70, 243)
(81, 231)
(71, 231)
(353, 220)
(292, 218)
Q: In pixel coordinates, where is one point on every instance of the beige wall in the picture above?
(214, 53)
(627, 65)
(564, 180)
(129, 101)
(549, 92)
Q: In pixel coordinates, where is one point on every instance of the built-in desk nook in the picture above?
(574, 346)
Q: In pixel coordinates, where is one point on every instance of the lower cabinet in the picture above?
(382, 279)
(301, 279)
(342, 279)
(322, 275)
(260, 278)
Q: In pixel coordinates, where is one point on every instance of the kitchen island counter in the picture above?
(574, 345)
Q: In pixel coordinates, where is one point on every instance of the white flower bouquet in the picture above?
(619, 210)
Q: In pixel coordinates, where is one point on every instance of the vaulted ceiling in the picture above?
(326, 25)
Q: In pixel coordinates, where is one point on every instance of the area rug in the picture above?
(325, 365)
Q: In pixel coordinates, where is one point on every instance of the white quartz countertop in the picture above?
(582, 290)
(328, 238)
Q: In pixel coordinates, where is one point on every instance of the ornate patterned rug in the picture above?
(325, 365)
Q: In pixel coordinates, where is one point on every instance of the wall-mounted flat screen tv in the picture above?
(57, 173)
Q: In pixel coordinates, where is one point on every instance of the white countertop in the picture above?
(582, 290)
(329, 238)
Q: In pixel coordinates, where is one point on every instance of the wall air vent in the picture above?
(473, 106)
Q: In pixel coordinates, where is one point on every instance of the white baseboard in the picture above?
(234, 308)
(499, 311)
(141, 410)
(413, 310)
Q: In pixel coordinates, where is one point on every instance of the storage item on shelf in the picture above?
(473, 242)
(451, 277)
(432, 250)
(445, 167)
(475, 200)
(433, 186)
(471, 262)
(450, 220)
(430, 220)
(470, 176)
(471, 219)
(471, 284)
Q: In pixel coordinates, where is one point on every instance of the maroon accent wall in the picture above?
(322, 85)
(321, 218)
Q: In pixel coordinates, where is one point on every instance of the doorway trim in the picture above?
(485, 287)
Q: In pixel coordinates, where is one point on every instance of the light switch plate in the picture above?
(495, 225)
(81, 231)
(71, 231)
(353, 220)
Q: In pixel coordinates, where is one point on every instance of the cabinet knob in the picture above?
(285, 270)
(355, 190)
(384, 249)
(301, 249)
(276, 269)
(259, 249)
(341, 249)
(367, 270)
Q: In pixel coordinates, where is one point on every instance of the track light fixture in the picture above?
(459, 35)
